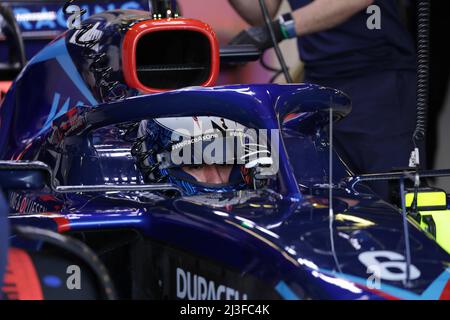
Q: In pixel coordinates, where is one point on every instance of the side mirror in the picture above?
(16, 175)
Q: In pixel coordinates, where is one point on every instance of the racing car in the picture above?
(98, 112)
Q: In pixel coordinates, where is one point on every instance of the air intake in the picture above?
(169, 54)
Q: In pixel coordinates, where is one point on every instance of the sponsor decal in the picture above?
(387, 265)
(21, 204)
(191, 286)
(184, 143)
(51, 17)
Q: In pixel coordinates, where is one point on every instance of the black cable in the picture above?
(423, 70)
(267, 67)
(275, 76)
(423, 73)
(278, 52)
(276, 71)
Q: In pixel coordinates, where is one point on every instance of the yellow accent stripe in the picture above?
(427, 199)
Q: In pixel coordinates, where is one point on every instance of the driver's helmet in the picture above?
(166, 145)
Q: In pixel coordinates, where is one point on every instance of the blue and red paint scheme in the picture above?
(277, 239)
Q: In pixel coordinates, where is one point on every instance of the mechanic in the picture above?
(220, 157)
(376, 68)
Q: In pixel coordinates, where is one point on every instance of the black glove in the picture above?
(259, 36)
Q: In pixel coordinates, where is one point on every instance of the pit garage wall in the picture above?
(443, 151)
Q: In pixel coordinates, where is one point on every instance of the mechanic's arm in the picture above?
(321, 15)
(318, 16)
(250, 11)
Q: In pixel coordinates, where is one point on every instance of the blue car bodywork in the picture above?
(273, 243)
(40, 21)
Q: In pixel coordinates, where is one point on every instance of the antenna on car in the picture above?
(331, 216)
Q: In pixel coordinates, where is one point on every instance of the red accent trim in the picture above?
(133, 35)
(21, 279)
(63, 224)
(5, 85)
(19, 157)
(384, 294)
(47, 197)
(71, 112)
(290, 117)
(378, 292)
(23, 205)
(246, 175)
(445, 295)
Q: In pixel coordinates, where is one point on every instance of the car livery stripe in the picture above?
(379, 293)
(62, 224)
(437, 288)
(435, 291)
(446, 293)
(285, 292)
(58, 50)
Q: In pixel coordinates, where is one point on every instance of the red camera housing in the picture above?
(169, 54)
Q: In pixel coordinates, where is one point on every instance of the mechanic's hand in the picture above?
(259, 36)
